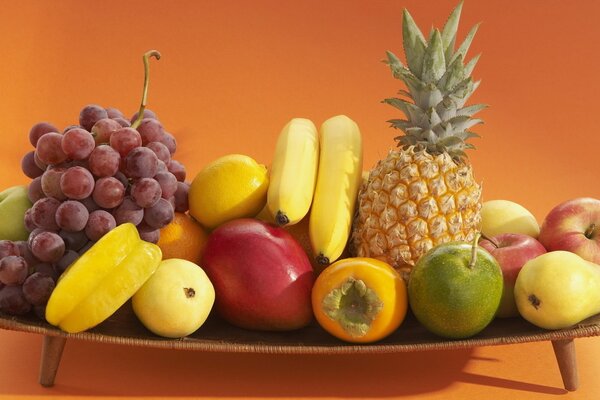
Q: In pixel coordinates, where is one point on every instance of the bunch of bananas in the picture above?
(318, 172)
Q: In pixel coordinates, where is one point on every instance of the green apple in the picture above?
(558, 289)
(176, 300)
(505, 216)
(14, 202)
(455, 289)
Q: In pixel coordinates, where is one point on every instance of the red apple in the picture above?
(262, 276)
(512, 251)
(574, 226)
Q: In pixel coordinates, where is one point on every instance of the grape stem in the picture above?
(146, 58)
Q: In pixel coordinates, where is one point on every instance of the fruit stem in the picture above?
(281, 218)
(489, 239)
(591, 231)
(474, 250)
(146, 58)
(322, 260)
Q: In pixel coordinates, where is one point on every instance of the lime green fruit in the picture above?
(454, 289)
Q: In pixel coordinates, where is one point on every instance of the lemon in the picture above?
(233, 186)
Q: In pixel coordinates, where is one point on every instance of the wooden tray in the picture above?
(216, 335)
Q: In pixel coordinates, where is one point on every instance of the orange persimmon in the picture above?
(359, 300)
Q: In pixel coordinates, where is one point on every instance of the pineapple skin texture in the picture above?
(411, 202)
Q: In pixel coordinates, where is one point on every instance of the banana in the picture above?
(293, 172)
(338, 181)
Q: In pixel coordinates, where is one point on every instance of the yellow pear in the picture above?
(557, 290)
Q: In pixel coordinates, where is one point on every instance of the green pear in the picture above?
(557, 290)
(14, 201)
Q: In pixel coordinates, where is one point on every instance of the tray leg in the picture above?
(564, 350)
(51, 353)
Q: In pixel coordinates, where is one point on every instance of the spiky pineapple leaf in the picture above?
(414, 43)
(450, 29)
(471, 65)
(464, 47)
(471, 110)
(453, 76)
(434, 63)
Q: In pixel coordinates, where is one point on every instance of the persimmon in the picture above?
(359, 300)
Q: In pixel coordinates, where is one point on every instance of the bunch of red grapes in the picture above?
(106, 171)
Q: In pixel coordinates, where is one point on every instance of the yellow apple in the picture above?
(505, 216)
(557, 290)
(176, 300)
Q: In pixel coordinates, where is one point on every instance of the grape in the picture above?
(128, 211)
(71, 216)
(146, 192)
(147, 114)
(85, 248)
(49, 150)
(151, 236)
(66, 260)
(123, 179)
(124, 140)
(47, 246)
(168, 183)
(77, 183)
(113, 112)
(162, 167)
(123, 122)
(104, 161)
(99, 223)
(41, 165)
(34, 190)
(28, 221)
(26, 253)
(50, 183)
(43, 212)
(159, 215)
(39, 129)
(108, 192)
(12, 300)
(68, 128)
(141, 162)
(150, 130)
(37, 288)
(161, 151)
(46, 269)
(29, 167)
(181, 197)
(77, 144)
(103, 129)
(13, 270)
(90, 114)
(169, 140)
(177, 169)
(73, 240)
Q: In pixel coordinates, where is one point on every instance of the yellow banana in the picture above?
(338, 181)
(293, 172)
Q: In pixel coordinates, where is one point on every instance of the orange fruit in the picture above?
(183, 238)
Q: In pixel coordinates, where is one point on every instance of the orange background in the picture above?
(232, 74)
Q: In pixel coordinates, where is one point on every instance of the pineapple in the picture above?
(424, 193)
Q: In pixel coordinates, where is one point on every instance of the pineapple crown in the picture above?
(439, 84)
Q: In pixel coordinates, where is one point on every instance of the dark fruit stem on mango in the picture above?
(147, 55)
(353, 305)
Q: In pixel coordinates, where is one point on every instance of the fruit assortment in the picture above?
(109, 217)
